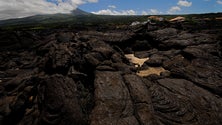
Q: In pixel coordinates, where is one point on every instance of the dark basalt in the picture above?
(83, 78)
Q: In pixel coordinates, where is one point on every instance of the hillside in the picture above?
(48, 18)
(77, 17)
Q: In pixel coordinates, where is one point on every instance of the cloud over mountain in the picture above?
(23, 8)
(115, 12)
(151, 12)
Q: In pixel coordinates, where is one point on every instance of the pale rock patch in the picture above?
(151, 70)
(135, 60)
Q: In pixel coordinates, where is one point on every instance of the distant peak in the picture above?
(78, 11)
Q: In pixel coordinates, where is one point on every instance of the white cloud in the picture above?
(114, 12)
(151, 12)
(174, 9)
(112, 6)
(22, 8)
(93, 1)
(219, 1)
(184, 3)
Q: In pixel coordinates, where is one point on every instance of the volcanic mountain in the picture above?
(46, 18)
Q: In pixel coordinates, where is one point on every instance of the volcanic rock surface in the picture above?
(70, 77)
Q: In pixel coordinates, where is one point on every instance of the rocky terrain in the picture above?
(83, 77)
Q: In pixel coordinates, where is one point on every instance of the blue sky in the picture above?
(22, 8)
(155, 6)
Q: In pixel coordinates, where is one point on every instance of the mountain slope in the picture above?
(47, 18)
(78, 12)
